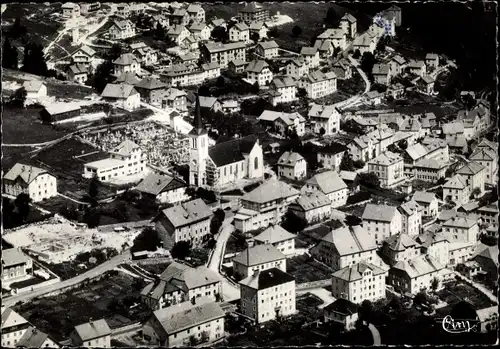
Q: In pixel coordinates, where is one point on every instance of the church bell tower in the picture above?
(198, 150)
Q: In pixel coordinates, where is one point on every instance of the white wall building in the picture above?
(36, 182)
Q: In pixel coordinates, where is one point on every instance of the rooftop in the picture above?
(351, 240)
(383, 213)
(259, 254)
(274, 234)
(327, 182)
(187, 213)
(267, 278)
(355, 272)
(92, 330)
(26, 172)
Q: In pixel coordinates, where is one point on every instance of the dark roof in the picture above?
(231, 151)
(198, 128)
(342, 306)
(333, 148)
(267, 278)
(32, 338)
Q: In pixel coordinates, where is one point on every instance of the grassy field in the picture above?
(306, 269)
(23, 126)
(58, 315)
(12, 155)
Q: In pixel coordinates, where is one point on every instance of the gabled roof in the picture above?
(411, 124)
(308, 51)
(319, 76)
(419, 266)
(387, 158)
(409, 208)
(355, 272)
(423, 196)
(175, 30)
(430, 163)
(322, 111)
(32, 338)
(349, 18)
(274, 234)
(267, 45)
(267, 278)
(259, 254)
(256, 25)
(187, 213)
(210, 66)
(283, 82)
(215, 47)
(455, 182)
(128, 78)
(363, 40)
(332, 148)
(59, 108)
(461, 222)
(85, 49)
(431, 56)
(470, 168)
(10, 318)
(118, 91)
(287, 118)
(312, 199)
(342, 306)
(13, 256)
(289, 159)
(400, 242)
(122, 24)
(197, 26)
(399, 59)
(232, 151)
(350, 240)
(179, 317)
(241, 26)
(32, 85)
(26, 172)
(383, 213)
(156, 184)
(150, 83)
(256, 66)
(126, 59)
(125, 148)
(92, 330)
(181, 274)
(381, 69)
(488, 252)
(78, 68)
(327, 182)
(194, 8)
(270, 191)
(488, 144)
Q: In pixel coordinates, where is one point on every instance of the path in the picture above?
(100, 269)
(480, 287)
(230, 291)
(354, 99)
(375, 334)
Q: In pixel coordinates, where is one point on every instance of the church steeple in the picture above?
(198, 124)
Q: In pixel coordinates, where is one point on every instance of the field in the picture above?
(311, 236)
(12, 155)
(23, 126)
(307, 269)
(111, 298)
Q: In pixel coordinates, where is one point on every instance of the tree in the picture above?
(367, 62)
(17, 29)
(475, 193)
(296, 31)
(403, 144)
(147, 240)
(7, 213)
(181, 250)
(293, 223)
(273, 33)
(358, 164)
(351, 220)
(356, 54)
(159, 31)
(346, 163)
(331, 16)
(92, 217)
(94, 187)
(219, 34)
(9, 55)
(220, 81)
(435, 284)
(18, 98)
(115, 52)
(421, 298)
(369, 179)
(22, 203)
(322, 131)
(365, 310)
(34, 60)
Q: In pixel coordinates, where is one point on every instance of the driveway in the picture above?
(375, 334)
(99, 270)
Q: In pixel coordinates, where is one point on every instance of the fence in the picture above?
(153, 260)
(313, 284)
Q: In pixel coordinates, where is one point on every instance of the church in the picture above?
(225, 162)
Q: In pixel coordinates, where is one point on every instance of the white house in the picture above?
(324, 119)
(279, 238)
(35, 91)
(342, 311)
(292, 166)
(311, 56)
(428, 202)
(239, 32)
(70, 9)
(297, 68)
(411, 214)
(121, 29)
(457, 190)
(400, 247)
(348, 24)
(330, 184)
(196, 12)
(126, 159)
(318, 84)
(178, 33)
(14, 326)
(283, 90)
(188, 221)
(95, 333)
(389, 168)
(260, 72)
(200, 30)
(39, 184)
(267, 49)
(414, 275)
(331, 156)
(382, 221)
(345, 247)
(283, 122)
(359, 282)
(364, 43)
(258, 258)
(163, 188)
(474, 175)
(264, 205)
(84, 55)
(312, 206)
(122, 95)
(267, 294)
(126, 63)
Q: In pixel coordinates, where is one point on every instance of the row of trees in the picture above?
(15, 213)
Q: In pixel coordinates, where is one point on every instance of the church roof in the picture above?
(231, 151)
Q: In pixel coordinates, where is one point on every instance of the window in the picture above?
(256, 163)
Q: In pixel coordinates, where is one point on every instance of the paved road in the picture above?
(100, 269)
(375, 334)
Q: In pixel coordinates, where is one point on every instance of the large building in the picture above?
(92, 334)
(382, 221)
(39, 184)
(162, 189)
(125, 160)
(258, 258)
(267, 295)
(400, 247)
(14, 326)
(279, 238)
(186, 324)
(318, 84)
(16, 266)
(264, 205)
(414, 275)
(359, 282)
(180, 283)
(189, 221)
(346, 246)
(253, 12)
(224, 162)
(456, 190)
(292, 166)
(411, 214)
(330, 184)
(389, 169)
(324, 119)
(222, 54)
(312, 206)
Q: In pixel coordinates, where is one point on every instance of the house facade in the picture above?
(330, 184)
(36, 182)
(292, 166)
(260, 257)
(312, 206)
(382, 221)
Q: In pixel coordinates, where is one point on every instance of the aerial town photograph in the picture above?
(242, 174)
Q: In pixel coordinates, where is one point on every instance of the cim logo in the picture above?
(452, 325)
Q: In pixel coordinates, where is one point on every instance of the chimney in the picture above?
(193, 300)
(90, 321)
